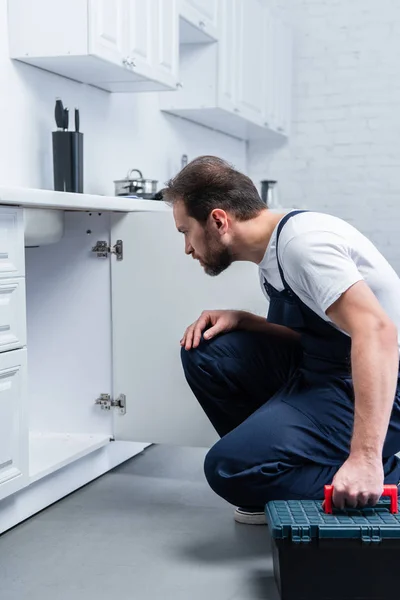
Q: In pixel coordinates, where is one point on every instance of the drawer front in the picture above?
(12, 255)
(12, 314)
(13, 423)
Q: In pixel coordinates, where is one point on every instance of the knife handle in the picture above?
(77, 119)
(59, 114)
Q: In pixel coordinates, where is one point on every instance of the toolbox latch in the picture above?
(301, 534)
(371, 534)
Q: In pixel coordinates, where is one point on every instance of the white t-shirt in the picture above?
(323, 256)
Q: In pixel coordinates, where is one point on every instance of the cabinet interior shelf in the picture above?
(49, 452)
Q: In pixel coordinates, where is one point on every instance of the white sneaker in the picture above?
(250, 517)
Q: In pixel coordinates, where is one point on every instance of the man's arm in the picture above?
(375, 364)
(251, 322)
(216, 322)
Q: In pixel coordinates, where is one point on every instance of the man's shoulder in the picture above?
(315, 223)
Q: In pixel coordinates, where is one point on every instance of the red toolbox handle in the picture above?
(388, 490)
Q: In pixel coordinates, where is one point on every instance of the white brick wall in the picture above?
(344, 152)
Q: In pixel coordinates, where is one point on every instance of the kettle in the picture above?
(269, 193)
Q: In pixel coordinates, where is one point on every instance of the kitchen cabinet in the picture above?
(166, 40)
(13, 400)
(241, 87)
(249, 45)
(102, 344)
(242, 84)
(107, 29)
(199, 21)
(282, 69)
(227, 66)
(115, 45)
(203, 9)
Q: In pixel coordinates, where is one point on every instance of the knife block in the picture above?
(68, 161)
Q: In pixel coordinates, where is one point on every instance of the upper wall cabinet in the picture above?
(250, 56)
(242, 84)
(198, 21)
(116, 45)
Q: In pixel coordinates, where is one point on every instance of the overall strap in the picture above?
(280, 227)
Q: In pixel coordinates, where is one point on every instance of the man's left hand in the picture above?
(358, 483)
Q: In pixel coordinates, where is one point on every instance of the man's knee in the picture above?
(229, 476)
(192, 359)
(207, 350)
(235, 472)
(215, 475)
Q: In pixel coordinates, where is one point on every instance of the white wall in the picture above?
(121, 131)
(344, 152)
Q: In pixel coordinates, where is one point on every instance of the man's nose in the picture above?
(188, 248)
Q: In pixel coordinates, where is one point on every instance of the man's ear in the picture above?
(219, 219)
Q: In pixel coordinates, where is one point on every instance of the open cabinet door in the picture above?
(157, 291)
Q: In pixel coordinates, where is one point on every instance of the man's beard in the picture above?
(217, 259)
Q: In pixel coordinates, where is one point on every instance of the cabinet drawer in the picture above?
(12, 314)
(12, 258)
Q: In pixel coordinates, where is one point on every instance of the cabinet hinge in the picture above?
(107, 403)
(103, 249)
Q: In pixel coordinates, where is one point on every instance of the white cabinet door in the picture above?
(12, 257)
(13, 423)
(107, 23)
(269, 91)
(250, 59)
(153, 43)
(165, 41)
(206, 9)
(227, 56)
(282, 76)
(139, 45)
(157, 291)
(203, 14)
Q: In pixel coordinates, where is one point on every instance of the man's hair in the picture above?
(208, 182)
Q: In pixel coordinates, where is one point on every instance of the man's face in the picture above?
(204, 242)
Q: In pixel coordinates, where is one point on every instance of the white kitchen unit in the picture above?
(242, 84)
(90, 369)
(198, 21)
(115, 45)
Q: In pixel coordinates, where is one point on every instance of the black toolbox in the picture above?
(348, 555)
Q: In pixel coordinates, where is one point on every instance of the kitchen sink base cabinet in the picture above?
(90, 373)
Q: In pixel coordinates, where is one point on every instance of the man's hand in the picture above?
(359, 482)
(220, 320)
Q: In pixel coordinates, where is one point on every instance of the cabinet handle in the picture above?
(131, 63)
(237, 110)
(179, 85)
(266, 124)
(281, 129)
(125, 62)
(202, 24)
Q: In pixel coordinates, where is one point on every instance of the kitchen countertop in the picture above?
(34, 198)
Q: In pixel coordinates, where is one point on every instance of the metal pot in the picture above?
(130, 186)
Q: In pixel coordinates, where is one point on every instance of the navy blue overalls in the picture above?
(284, 408)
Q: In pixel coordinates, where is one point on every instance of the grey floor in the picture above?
(151, 529)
